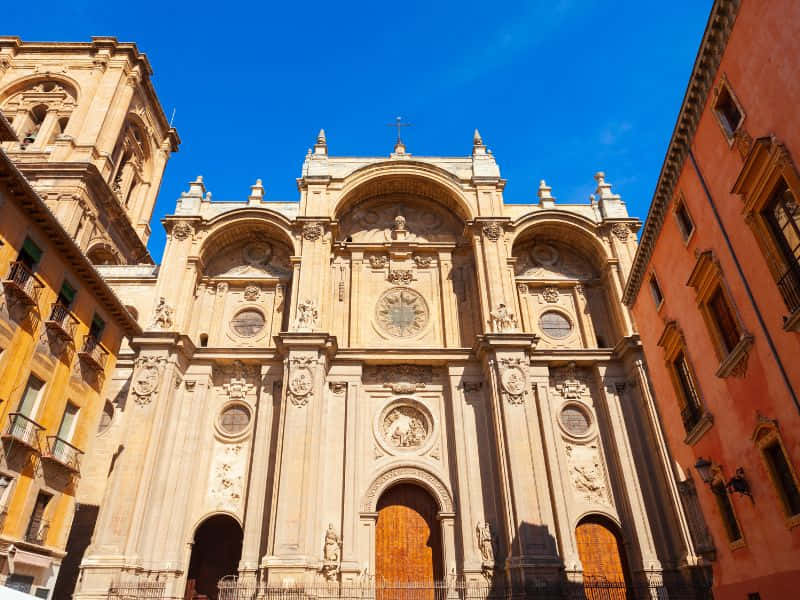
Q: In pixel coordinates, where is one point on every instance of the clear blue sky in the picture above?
(559, 89)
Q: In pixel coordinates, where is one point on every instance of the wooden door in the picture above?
(603, 564)
(408, 548)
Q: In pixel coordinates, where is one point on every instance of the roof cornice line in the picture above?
(709, 55)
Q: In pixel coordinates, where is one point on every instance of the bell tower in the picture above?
(93, 138)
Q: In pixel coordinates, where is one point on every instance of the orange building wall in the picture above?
(762, 64)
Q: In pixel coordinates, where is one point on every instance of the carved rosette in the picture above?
(251, 292)
(513, 380)
(312, 231)
(492, 231)
(147, 379)
(182, 230)
(301, 379)
(401, 312)
(550, 294)
(621, 231)
(401, 379)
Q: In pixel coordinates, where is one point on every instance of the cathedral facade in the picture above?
(398, 378)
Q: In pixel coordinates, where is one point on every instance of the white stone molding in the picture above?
(411, 474)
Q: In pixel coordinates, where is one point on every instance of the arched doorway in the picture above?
(408, 544)
(604, 567)
(216, 552)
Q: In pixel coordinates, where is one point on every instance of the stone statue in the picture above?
(485, 541)
(503, 319)
(162, 316)
(399, 223)
(331, 553)
(307, 316)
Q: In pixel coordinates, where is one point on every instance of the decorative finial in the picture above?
(321, 147)
(476, 138)
(545, 197)
(256, 192)
(321, 137)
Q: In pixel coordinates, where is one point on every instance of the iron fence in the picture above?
(137, 590)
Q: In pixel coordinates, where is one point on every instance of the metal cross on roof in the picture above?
(398, 123)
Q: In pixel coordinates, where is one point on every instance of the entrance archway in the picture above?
(604, 566)
(216, 553)
(408, 541)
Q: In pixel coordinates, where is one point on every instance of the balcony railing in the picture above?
(37, 531)
(22, 283)
(789, 286)
(61, 322)
(93, 353)
(23, 429)
(63, 453)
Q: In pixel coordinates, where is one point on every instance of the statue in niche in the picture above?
(503, 320)
(331, 553)
(485, 541)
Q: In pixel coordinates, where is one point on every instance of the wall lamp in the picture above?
(737, 483)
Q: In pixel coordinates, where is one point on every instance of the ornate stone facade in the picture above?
(332, 363)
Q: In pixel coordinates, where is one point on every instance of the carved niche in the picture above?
(147, 378)
(401, 379)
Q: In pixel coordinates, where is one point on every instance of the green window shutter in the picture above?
(32, 250)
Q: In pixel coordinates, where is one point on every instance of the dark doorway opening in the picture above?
(216, 553)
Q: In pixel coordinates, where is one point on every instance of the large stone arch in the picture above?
(408, 474)
(412, 177)
(71, 85)
(230, 227)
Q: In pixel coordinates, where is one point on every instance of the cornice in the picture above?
(715, 39)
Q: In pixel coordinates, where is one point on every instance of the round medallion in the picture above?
(248, 322)
(301, 381)
(574, 420)
(405, 427)
(513, 380)
(544, 254)
(555, 325)
(234, 419)
(401, 312)
(257, 253)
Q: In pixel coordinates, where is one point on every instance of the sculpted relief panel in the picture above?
(381, 219)
(551, 261)
(256, 258)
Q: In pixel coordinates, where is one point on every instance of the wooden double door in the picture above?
(408, 544)
(600, 551)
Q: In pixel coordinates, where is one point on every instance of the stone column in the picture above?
(257, 492)
(490, 261)
(292, 552)
(350, 566)
(633, 501)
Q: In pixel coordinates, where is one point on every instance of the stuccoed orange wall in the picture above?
(762, 63)
(20, 358)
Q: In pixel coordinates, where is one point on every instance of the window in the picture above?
(724, 321)
(655, 290)
(780, 469)
(30, 398)
(727, 110)
(248, 323)
(97, 327)
(30, 254)
(689, 400)
(6, 484)
(21, 583)
(67, 427)
(555, 325)
(726, 512)
(66, 295)
(684, 221)
(782, 213)
(234, 419)
(38, 526)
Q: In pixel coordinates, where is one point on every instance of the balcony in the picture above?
(37, 531)
(93, 354)
(61, 322)
(62, 453)
(22, 284)
(789, 286)
(24, 430)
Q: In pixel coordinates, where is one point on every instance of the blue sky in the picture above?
(559, 89)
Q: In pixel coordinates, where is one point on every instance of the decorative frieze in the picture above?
(401, 379)
(400, 277)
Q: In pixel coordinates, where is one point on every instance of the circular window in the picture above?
(555, 325)
(234, 419)
(574, 420)
(106, 417)
(248, 322)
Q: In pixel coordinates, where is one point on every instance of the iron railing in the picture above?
(137, 590)
(789, 286)
(37, 531)
(22, 283)
(61, 321)
(93, 353)
(64, 453)
(23, 429)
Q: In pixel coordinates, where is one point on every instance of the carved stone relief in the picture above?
(550, 294)
(147, 378)
(401, 379)
(570, 383)
(400, 277)
(422, 261)
(587, 473)
(312, 231)
(513, 379)
(551, 261)
(378, 261)
(492, 231)
(162, 316)
(503, 320)
(307, 316)
(227, 477)
(238, 386)
(251, 292)
(401, 312)
(253, 259)
(405, 427)
(182, 230)
(398, 218)
(621, 231)
(301, 378)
